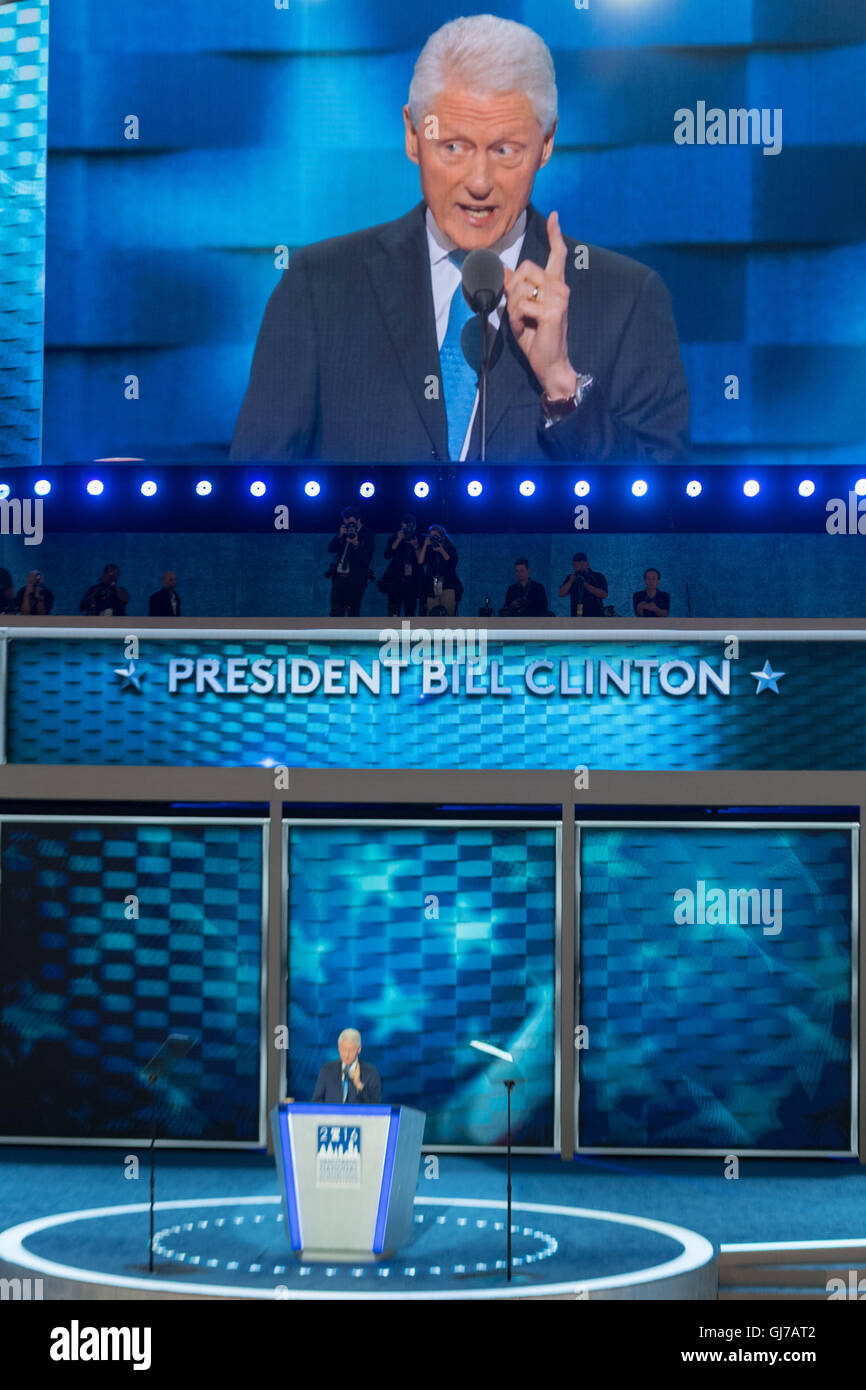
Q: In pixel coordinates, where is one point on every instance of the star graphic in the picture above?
(130, 675)
(767, 678)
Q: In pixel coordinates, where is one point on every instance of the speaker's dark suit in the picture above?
(346, 366)
(329, 1086)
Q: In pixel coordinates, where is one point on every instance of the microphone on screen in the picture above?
(483, 283)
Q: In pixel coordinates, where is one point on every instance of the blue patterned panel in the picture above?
(23, 112)
(424, 938)
(87, 996)
(68, 704)
(715, 1033)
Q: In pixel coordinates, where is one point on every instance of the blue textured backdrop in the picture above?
(23, 124)
(363, 953)
(715, 1036)
(262, 127)
(87, 997)
(66, 704)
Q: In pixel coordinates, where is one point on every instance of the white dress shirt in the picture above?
(446, 277)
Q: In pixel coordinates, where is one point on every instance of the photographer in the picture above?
(353, 545)
(651, 601)
(403, 580)
(8, 603)
(105, 598)
(525, 598)
(35, 598)
(586, 588)
(442, 587)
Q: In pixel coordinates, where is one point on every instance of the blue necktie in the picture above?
(345, 1086)
(458, 378)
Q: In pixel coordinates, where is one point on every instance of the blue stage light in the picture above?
(860, 487)
(367, 489)
(421, 489)
(474, 488)
(148, 488)
(638, 487)
(694, 488)
(42, 487)
(4, 491)
(806, 488)
(527, 488)
(752, 487)
(258, 488)
(96, 487)
(204, 488)
(312, 488)
(581, 489)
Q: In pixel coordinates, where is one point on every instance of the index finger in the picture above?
(558, 249)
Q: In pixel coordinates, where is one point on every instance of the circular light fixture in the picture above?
(148, 488)
(96, 487)
(527, 488)
(581, 489)
(751, 487)
(694, 488)
(474, 488)
(367, 489)
(806, 488)
(258, 488)
(421, 489)
(42, 487)
(4, 491)
(204, 488)
(312, 488)
(860, 487)
(638, 488)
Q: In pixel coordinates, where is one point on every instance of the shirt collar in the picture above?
(441, 246)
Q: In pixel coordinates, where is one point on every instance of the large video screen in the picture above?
(113, 935)
(268, 206)
(425, 938)
(714, 986)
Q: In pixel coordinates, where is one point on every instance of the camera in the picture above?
(351, 529)
(408, 527)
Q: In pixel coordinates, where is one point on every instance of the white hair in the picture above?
(485, 54)
(352, 1034)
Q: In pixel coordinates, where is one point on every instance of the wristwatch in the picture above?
(558, 410)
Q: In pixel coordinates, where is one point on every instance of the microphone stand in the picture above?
(484, 315)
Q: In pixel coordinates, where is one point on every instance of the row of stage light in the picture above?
(204, 487)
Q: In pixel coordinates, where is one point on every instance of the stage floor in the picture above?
(594, 1228)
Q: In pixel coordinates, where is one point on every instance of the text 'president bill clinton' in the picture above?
(359, 353)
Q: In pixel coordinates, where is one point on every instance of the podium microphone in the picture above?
(483, 283)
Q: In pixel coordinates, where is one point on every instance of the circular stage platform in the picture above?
(235, 1247)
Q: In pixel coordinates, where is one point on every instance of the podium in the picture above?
(347, 1175)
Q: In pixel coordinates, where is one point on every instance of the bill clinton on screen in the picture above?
(359, 353)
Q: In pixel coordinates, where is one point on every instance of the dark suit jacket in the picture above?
(347, 354)
(329, 1086)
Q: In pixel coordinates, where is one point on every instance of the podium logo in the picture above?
(77, 1343)
(338, 1156)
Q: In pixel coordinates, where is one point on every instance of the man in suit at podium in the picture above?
(349, 1081)
(360, 353)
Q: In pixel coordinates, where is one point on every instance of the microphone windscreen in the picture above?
(470, 343)
(483, 280)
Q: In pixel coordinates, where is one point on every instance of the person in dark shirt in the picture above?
(651, 601)
(7, 592)
(442, 586)
(526, 598)
(165, 603)
(35, 598)
(586, 588)
(105, 598)
(403, 580)
(353, 546)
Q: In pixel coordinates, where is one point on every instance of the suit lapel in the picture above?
(400, 272)
(512, 381)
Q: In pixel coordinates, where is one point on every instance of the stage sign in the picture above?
(540, 701)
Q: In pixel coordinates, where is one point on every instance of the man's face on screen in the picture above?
(348, 1051)
(478, 155)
